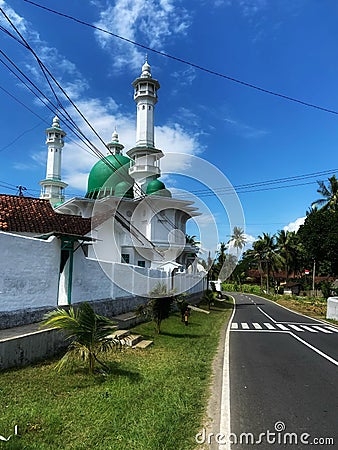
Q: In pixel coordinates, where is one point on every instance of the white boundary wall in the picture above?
(29, 276)
(29, 272)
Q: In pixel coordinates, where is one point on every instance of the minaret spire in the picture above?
(114, 147)
(145, 156)
(52, 186)
(145, 96)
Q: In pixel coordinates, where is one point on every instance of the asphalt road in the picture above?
(283, 378)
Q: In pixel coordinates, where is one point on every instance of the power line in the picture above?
(97, 152)
(45, 71)
(188, 63)
(250, 187)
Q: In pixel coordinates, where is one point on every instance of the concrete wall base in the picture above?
(332, 308)
(29, 348)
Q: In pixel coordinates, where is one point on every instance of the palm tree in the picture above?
(284, 248)
(238, 239)
(88, 332)
(256, 255)
(330, 194)
(191, 240)
(159, 305)
(270, 257)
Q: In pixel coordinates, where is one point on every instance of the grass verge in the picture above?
(151, 400)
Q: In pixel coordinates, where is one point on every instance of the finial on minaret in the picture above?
(146, 69)
(114, 147)
(56, 122)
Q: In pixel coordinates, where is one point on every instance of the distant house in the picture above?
(292, 288)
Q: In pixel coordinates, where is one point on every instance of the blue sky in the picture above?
(284, 46)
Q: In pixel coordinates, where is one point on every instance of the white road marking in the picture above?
(294, 327)
(309, 329)
(332, 329)
(257, 326)
(322, 330)
(225, 425)
(245, 326)
(269, 326)
(261, 331)
(282, 327)
(324, 355)
(234, 326)
(267, 315)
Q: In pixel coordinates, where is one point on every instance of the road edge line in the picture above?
(291, 310)
(225, 417)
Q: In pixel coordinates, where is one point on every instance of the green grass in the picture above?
(152, 400)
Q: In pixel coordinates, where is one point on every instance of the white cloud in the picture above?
(244, 130)
(104, 117)
(61, 66)
(17, 20)
(294, 226)
(150, 23)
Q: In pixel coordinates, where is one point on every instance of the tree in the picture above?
(256, 256)
(89, 334)
(329, 202)
(271, 260)
(191, 240)
(158, 307)
(319, 238)
(290, 249)
(209, 297)
(238, 239)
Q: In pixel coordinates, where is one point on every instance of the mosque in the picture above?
(143, 224)
(112, 246)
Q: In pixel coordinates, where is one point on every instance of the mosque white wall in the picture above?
(29, 271)
(29, 281)
(97, 280)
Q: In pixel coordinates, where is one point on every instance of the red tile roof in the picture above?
(35, 215)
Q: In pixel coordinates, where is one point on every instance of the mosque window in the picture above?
(141, 263)
(125, 258)
(143, 107)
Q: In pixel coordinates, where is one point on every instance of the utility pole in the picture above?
(313, 277)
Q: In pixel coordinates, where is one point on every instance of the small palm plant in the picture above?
(88, 332)
(158, 307)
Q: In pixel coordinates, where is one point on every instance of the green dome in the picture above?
(106, 174)
(124, 189)
(156, 187)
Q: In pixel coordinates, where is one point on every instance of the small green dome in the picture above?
(106, 174)
(156, 187)
(124, 189)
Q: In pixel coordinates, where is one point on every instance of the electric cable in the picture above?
(188, 63)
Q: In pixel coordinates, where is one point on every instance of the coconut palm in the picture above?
(238, 239)
(270, 257)
(256, 255)
(191, 240)
(159, 305)
(88, 332)
(329, 194)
